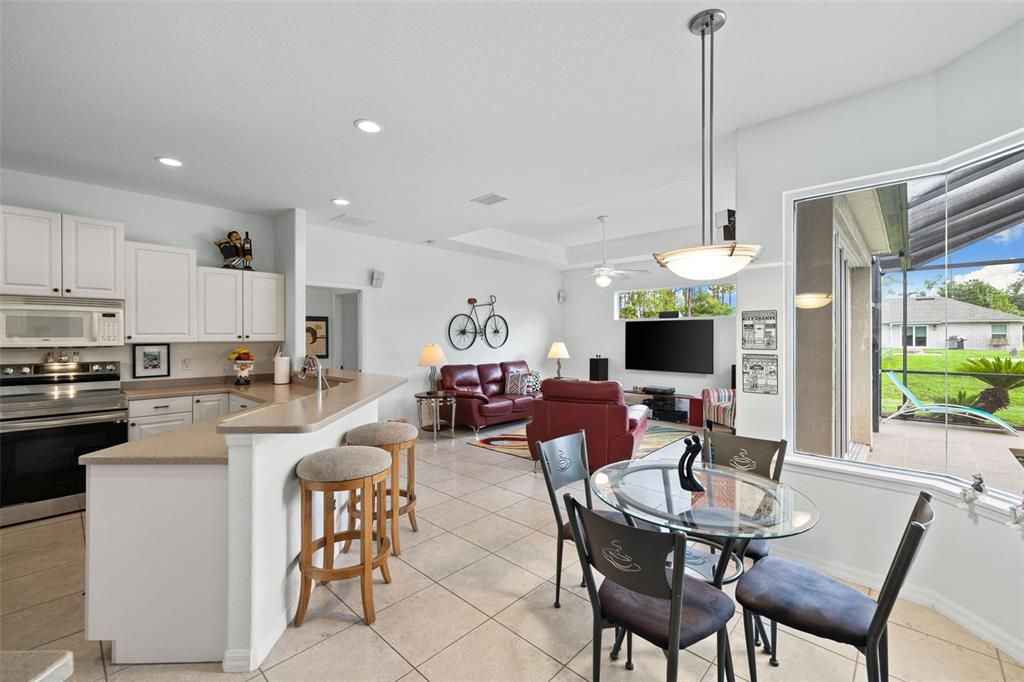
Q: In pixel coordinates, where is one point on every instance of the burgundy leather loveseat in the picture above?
(480, 394)
(614, 429)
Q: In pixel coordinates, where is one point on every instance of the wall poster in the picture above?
(761, 374)
(760, 330)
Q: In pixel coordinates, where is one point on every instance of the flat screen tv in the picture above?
(671, 345)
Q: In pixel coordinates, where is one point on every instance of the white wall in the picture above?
(423, 288)
(146, 218)
(590, 329)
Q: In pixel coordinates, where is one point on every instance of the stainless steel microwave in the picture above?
(41, 322)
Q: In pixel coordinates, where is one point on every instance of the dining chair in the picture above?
(764, 458)
(640, 595)
(804, 599)
(564, 462)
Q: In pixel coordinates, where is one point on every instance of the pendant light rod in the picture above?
(711, 140)
(703, 142)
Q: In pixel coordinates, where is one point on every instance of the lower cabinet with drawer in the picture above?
(144, 427)
(237, 403)
(209, 407)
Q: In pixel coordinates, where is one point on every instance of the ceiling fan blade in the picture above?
(645, 272)
(618, 275)
(581, 273)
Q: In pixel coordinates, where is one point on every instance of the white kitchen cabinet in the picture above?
(144, 427)
(263, 306)
(236, 403)
(160, 293)
(92, 258)
(220, 304)
(209, 407)
(30, 252)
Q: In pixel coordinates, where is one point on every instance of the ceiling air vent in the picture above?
(352, 220)
(489, 199)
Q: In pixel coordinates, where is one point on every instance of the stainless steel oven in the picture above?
(50, 414)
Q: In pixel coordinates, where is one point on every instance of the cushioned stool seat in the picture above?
(382, 433)
(343, 463)
(807, 600)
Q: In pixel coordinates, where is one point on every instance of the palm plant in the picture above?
(1002, 374)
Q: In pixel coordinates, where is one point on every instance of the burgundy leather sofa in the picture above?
(614, 430)
(480, 394)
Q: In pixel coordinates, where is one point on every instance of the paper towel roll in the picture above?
(282, 369)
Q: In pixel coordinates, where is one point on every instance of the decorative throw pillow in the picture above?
(520, 383)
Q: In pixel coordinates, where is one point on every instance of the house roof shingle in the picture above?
(938, 309)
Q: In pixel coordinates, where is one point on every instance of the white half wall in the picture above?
(591, 329)
(146, 218)
(423, 288)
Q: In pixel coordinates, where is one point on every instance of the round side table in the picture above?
(435, 400)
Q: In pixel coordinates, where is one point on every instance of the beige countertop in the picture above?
(288, 408)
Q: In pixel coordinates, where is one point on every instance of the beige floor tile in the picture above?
(492, 498)
(413, 676)
(427, 497)
(844, 650)
(491, 474)
(37, 588)
(1007, 658)
(862, 673)
(356, 653)
(491, 584)
(40, 558)
(538, 553)
(405, 580)
(924, 619)
(566, 675)
(452, 514)
(490, 652)
(443, 556)
(531, 485)
(428, 621)
(35, 626)
(572, 577)
(800, 661)
(88, 656)
(426, 472)
(1013, 673)
(108, 659)
(530, 512)
(492, 532)
(60, 533)
(179, 672)
(915, 657)
(459, 485)
(6, 530)
(560, 632)
(649, 663)
(326, 616)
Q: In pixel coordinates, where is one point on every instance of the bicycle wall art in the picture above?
(465, 328)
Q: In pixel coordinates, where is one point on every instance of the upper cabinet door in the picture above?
(29, 252)
(160, 296)
(220, 304)
(93, 257)
(263, 294)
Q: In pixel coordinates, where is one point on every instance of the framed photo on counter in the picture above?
(151, 360)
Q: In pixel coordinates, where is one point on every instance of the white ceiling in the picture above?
(569, 109)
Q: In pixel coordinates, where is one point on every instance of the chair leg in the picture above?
(620, 633)
(366, 551)
(760, 633)
(382, 527)
(396, 499)
(351, 526)
(673, 664)
(748, 632)
(596, 673)
(629, 649)
(328, 532)
(410, 482)
(720, 651)
(871, 659)
(883, 656)
(558, 574)
(305, 556)
(774, 660)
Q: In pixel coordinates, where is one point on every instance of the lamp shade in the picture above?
(704, 263)
(432, 356)
(813, 299)
(558, 351)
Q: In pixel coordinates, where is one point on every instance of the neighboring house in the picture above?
(938, 322)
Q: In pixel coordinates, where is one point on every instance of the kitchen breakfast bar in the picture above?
(193, 535)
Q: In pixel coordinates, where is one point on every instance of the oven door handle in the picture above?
(57, 422)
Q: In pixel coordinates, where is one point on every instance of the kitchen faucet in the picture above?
(311, 363)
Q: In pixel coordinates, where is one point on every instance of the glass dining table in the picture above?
(734, 508)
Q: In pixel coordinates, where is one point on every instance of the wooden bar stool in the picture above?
(393, 437)
(353, 469)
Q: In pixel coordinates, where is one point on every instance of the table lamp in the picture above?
(431, 357)
(558, 352)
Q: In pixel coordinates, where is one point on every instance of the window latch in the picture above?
(976, 489)
(1017, 513)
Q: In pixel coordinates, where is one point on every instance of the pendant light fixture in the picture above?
(709, 261)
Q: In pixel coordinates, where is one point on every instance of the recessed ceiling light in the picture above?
(340, 202)
(366, 125)
(168, 161)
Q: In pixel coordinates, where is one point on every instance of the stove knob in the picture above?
(26, 370)
(111, 367)
(95, 368)
(8, 370)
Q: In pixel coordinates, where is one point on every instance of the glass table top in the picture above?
(735, 504)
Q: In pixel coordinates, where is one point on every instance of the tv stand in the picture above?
(677, 407)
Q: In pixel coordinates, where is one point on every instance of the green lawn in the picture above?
(941, 389)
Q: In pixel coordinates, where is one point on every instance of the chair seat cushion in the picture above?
(706, 610)
(382, 433)
(345, 463)
(496, 407)
(758, 549)
(806, 600)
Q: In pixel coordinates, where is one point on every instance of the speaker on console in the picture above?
(599, 369)
(376, 279)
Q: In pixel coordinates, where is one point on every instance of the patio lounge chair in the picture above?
(914, 404)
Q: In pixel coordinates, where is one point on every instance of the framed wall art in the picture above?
(151, 360)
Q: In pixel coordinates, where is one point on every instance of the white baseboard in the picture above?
(248, 660)
(997, 637)
(238, 661)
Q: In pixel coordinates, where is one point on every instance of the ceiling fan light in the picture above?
(602, 280)
(705, 263)
(813, 299)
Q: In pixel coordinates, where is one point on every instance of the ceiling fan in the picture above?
(603, 274)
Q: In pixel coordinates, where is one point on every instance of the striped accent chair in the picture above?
(719, 407)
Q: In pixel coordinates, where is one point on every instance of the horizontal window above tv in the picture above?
(711, 300)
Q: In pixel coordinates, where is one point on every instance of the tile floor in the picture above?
(470, 600)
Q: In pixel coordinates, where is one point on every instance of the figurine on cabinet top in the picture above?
(237, 252)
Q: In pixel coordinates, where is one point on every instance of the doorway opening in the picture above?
(332, 327)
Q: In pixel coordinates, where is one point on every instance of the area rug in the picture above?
(514, 442)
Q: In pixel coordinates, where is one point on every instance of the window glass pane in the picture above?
(712, 300)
